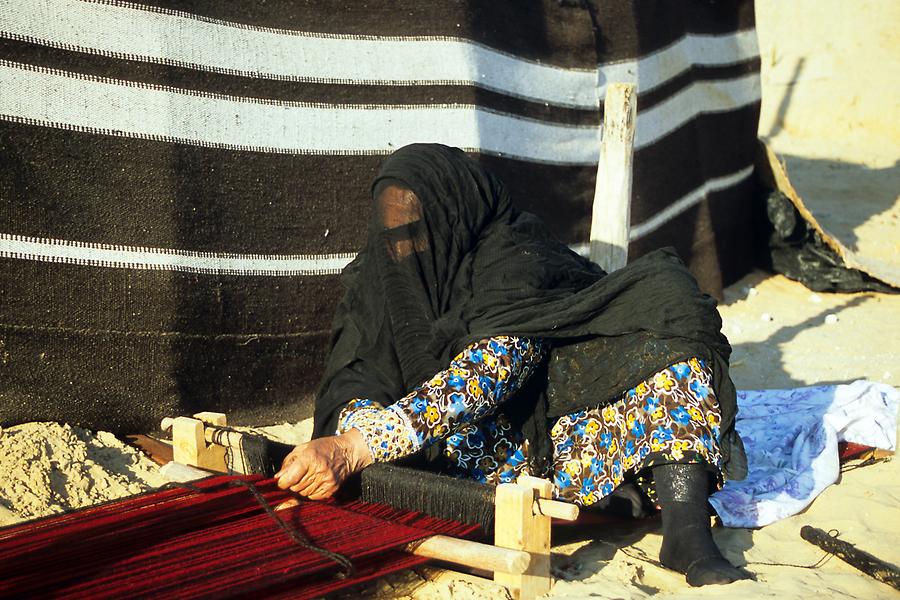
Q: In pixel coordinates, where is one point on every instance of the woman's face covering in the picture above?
(400, 213)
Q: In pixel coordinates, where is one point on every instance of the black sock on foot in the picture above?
(687, 545)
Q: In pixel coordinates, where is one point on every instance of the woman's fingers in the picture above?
(322, 494)
(319, 482)
(316, 469)
(293, 470)
(288, 460)
(305, 486)
(320, 488)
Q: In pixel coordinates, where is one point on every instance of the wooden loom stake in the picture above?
(516, 526)
(853, 556)
(189, 445)
(611, 214)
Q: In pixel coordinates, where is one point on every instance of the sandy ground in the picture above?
(786, 336)
(46, 468)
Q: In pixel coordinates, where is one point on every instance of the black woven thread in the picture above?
(259, 454)
(440, 496)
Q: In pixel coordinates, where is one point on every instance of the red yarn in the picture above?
(850, 450)
(184, 544)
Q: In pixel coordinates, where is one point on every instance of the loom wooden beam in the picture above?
(516, 526)
(459, 551)
(471, 554)
(556, 509)
(159, 452)
(611, 214)
(208, 418)
(189, 443)
(213, 434)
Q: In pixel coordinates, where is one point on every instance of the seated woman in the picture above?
(470, 335)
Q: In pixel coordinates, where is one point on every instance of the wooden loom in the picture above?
(519, 558)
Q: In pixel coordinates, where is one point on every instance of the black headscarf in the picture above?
(450, 261)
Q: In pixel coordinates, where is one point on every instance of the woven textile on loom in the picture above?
(215, 541)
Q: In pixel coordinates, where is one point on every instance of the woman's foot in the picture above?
(688, 546)
(690, 549)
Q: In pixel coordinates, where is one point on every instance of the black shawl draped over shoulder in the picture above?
(449, 261)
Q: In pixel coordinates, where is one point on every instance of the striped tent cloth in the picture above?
(183, 180)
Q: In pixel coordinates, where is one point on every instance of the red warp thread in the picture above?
(218, 542)
(850, 450)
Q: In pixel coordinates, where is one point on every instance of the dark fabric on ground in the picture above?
(471, 266)
(797, 251)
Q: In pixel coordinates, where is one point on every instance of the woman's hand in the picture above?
(317, 468)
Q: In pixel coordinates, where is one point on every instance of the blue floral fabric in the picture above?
(791, 439)
(673, 416)
(471, 388)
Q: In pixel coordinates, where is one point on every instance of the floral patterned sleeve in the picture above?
(477, 381)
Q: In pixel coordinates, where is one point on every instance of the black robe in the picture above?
(450, 261)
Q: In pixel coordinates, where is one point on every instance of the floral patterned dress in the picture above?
(673, 416)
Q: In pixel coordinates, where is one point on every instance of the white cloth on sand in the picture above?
(791, 438)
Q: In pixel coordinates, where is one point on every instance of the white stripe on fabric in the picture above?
(657, 68)
(179, 39)
(66, 100)
(132, 257)
(129, 31)
(58, 99)
(676, 208)
(701, 97)
(687, 201)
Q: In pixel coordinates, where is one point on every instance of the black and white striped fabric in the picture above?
(182, 181)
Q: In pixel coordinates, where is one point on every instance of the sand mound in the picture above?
(47, 468)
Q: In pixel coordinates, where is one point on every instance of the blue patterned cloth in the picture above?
(791, 438)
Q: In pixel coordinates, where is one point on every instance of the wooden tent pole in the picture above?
(611, 214)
